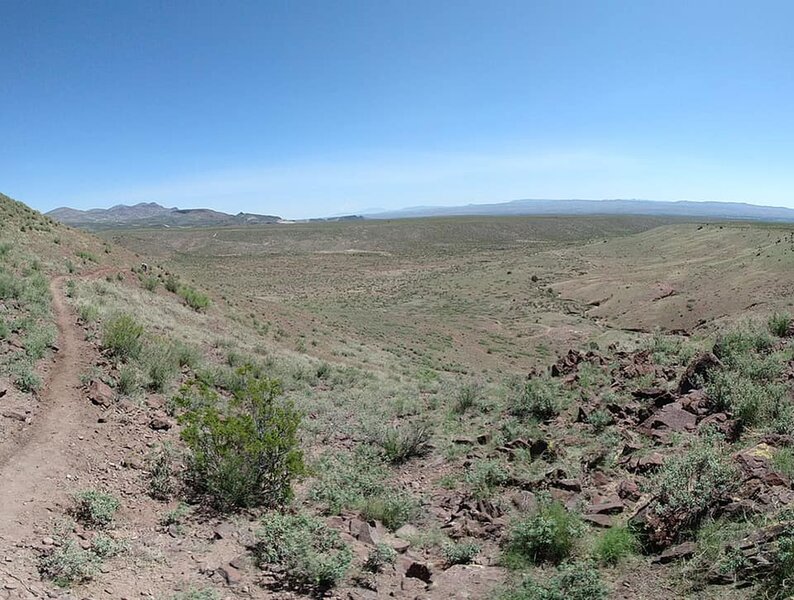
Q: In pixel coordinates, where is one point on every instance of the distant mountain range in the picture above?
(700, 210)
(151, 214)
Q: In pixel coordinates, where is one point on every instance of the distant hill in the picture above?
(151, 214)
(703, 210)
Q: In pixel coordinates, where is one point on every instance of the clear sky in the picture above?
(314, 108)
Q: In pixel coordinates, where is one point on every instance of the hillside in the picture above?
(362, 410)
(153, 215)
(698, 210)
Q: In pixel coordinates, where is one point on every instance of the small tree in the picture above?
(244, 452)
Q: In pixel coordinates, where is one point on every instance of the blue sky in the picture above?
(318, 108)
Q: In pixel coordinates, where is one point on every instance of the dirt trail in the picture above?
(33, 474)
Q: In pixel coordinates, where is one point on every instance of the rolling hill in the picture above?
(151, 214)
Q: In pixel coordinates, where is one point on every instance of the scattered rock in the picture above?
(230, 575)
(160, 423)
(100, 393)
(679, 552)
(419, 570)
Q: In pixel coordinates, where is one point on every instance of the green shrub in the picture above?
(194, 299)
(614, 545)
(186, 355)
(402, 442)
(88, 313)
(310, 553)
(106, 547)
(752, 402)
(68, 564)
(742, 341)
(86, 256)
(246, 453)
(538, 398)
(783, 461)
(150, 283)
(95, 509)
(161, 472)
(689, 484)
(5, 330)
(460, 553)
(777, 586)
(548, 536)
(485, 476)
(195, 594)
(670, 349)
(24, 377)
(129, 380)
(9, 285)
(467, 396)
(121, 336)
(37, 340)
(573, 581)
(600, 419)
(393, 510)
(358, 481)
(379, 557)
(779, 324)
(160, 364)
(171, 283)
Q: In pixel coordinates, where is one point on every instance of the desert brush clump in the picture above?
(196, 300)
(688, 486)
(572, 581)
(381, 556)
(67, 564)
(359, 481)
(311, 554)
(402, 442)
(614, 545)
(243, 452)
(780, 324)
(538, 398)
(547, 536)
(161, 472)
(121, 336)
(95, 509)
(460, 553)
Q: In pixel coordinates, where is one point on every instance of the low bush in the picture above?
(573, 581)
(752, 402)
(539, 398)
(778, 585)
(614, 545)
(548, 536)
(160, 364)
(24, 377)
(150, 283)
(485, 476)
(402, 442)
(95, 509)
(467, 396)
(359, 482)
(121, 336)
(460, 553)
(689, 484)
(245, 452)
(381, 556)
(195, 594)
(68, 564)
(779, 324)
(160, 465)
(193, 298)
(171, 283)
(310, 553)
(129, 380)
